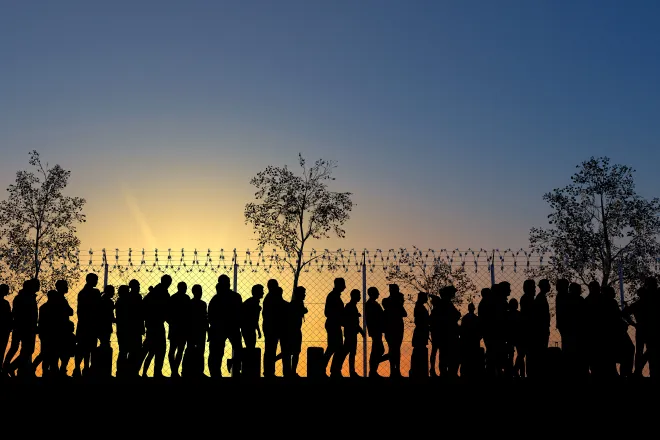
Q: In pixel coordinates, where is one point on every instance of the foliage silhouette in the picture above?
(422, 274)
(294, 209)
(598, 223)
(38, 224)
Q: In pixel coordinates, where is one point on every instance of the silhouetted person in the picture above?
(488, 320)
(472, 362)
(419, 365)
(621, 349)
(596, 337)
(155, 314)
(448, 333)
(224, 323)
(394, 312)
(102, 357)
(297, 312)
(540, 331)
(573, 337)
(527, 324)
(66, 346)
(122, 313)
(375, 320)
(25, 314)
(6, 322)
(514, 335)
(501, 292)
(178, 318)
(193, 359)
(352, 327)
(275, 325)
(89, 300)
(48, 335)
(106, 316)
(135, 331)
(641, 311)
(54, 331)
(435, 331)
(652, 342)
(334, 312)
(250, 313)
(562, 312)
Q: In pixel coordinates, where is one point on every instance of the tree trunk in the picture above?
(607, 263)
(36, 258)
(296, 275)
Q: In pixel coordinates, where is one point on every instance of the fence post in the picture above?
(621, 282)
(234, 371)
(492, 271)
(105, 270)
(364, 314)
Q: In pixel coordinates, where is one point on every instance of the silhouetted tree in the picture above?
(599, 222)
(422, 272)
(38, 225)
(293, 209)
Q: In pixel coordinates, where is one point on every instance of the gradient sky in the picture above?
(449, 120)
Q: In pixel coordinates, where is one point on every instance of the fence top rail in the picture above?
(277, 259)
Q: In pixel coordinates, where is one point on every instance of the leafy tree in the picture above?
(38, 227)
(292, 209)
(423, 273)
(598, 224)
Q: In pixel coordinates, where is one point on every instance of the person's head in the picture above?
(471, 308)
(575, 289)
(610, 292)
(52, 294)
(166, 281)
(258, 291)
(513, 304)
(35, 284)
(373, 293)
(651, 283)
(4, 290)
(529, 286)
(109, 290)
(123, 290)
(340, 284)
(197, 291)
(134, 286)
(485, 293)
(594, 288)
(272, 285)
(224, 283)
(435, 300)
(504, 288)
(448, 292)
(544, 286)
(62, 286)
(91, 279)
(394, 289)
(422, 297)
(27, 286)
(299, 293)
(562, 285)
(355, 295)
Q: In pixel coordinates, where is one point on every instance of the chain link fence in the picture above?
(360, 269)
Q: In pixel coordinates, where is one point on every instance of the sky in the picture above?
(448, 119)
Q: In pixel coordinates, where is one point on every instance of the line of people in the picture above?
(594, 331)
(140, 327)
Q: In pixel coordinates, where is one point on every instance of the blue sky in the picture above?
(449, 119)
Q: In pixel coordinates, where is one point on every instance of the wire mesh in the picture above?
(246, 269)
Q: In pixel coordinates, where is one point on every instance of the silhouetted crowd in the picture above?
(594, 331)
